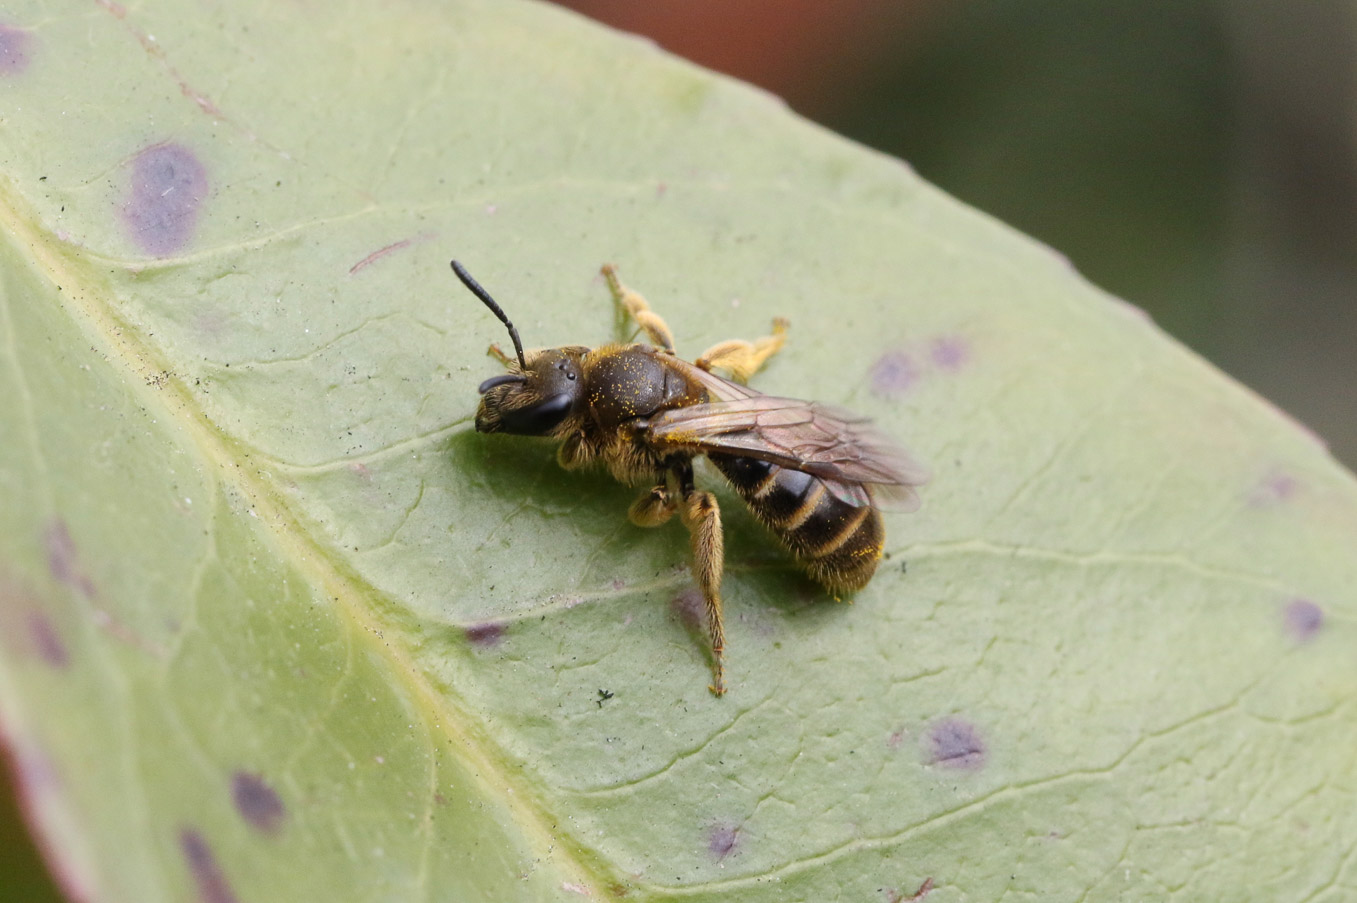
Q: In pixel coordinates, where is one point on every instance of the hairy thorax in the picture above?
(627, 385)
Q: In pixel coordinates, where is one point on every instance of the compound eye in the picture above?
(539, 419)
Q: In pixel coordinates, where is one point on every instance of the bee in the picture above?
(814, 474)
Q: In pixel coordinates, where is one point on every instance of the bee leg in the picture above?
(743, 359)
(653, 508)
(573, 454)
(498, 354)
(702, 517)
(640, 311)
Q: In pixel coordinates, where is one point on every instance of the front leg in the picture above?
(498, 354)
(574, 452)
(640, 311)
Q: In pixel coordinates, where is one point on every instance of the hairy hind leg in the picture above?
(702, 517)
(743, 359)
(639, 310)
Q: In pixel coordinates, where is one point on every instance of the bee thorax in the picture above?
(630, 382)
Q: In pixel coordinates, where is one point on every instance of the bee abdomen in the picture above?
(840, 543)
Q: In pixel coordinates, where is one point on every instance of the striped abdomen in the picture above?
(839, 543)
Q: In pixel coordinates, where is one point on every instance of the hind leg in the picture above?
(703, 520)
(702, 517)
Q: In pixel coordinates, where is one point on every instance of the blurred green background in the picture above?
(1197, 159)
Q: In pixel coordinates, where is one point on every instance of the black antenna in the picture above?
(475, 288)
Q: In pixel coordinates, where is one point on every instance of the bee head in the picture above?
(535, 400)
(534, 397)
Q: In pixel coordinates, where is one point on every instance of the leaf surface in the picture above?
(278, 624)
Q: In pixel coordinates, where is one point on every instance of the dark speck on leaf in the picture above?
(202, 863)
(161, 211)
(257, 802)
(893, 373)
(15, 47)
(1303, 620)
(47, 641)
(955, 743)
(485, 634)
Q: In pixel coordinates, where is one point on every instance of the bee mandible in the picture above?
(814, 474)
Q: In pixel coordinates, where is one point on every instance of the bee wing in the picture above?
(840, 447)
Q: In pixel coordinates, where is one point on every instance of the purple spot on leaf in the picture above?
(161, 210)
(202, 863)
(896, 896)
(722, 839)
(61, 558)
(15, 48)
(485, 634)
(1276, 487)
(955, 743)
(47, 641)
(893, 373)
(60, 551)
(389, 249)
(949, 352)
(1303, 620)
(257, 802)
(690, 607)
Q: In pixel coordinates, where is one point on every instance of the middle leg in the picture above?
(653, 508)
(743, 359)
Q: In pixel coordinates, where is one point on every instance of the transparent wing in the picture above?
(840, 447)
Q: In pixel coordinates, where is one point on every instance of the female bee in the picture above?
(812, 473)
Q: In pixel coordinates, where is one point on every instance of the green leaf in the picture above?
(278, 624)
